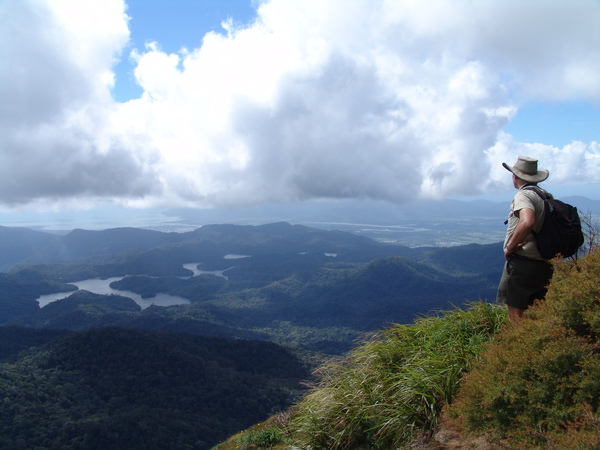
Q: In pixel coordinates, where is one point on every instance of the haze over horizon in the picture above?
(147, 105)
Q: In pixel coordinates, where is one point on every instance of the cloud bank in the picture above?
(380, 99)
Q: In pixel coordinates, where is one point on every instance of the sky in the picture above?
(146, 104)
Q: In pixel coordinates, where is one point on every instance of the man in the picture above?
(526, 273)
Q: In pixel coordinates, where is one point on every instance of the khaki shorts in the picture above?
(523, 281)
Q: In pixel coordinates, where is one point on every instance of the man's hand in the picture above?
(509, 251)
(524, 227)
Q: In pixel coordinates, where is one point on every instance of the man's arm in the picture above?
(524, 227)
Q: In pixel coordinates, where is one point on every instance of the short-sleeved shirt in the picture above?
(526, 198)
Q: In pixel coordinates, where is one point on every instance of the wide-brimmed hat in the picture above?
(527, 169)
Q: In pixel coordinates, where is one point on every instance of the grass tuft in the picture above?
(393, 387)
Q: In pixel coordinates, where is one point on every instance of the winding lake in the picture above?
(102, 286)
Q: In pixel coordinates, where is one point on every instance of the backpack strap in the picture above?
(543, 194)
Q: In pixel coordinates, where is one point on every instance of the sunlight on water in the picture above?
(102, 287)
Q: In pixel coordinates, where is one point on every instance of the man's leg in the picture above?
(527, 281)
(514, 313)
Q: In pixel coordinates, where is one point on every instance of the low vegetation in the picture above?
(394, 386)
(538, 384)
(534, 384)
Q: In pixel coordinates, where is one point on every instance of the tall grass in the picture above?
(394, 386)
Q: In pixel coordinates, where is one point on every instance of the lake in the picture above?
(194, 268)
(102, 287)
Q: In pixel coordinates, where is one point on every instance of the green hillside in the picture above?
(20, 246)
(114, 388)
(316, 304)
(437, 384)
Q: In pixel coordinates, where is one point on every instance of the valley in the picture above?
(291, 284)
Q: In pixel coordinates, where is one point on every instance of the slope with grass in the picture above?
(388, 390)
(462, 379)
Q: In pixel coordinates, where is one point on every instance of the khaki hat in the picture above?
(526, 169)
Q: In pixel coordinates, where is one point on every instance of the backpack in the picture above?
(561, 231)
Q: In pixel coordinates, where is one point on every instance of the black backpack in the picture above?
(561, 232)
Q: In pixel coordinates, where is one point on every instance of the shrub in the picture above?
(538, 382)
(266, 435)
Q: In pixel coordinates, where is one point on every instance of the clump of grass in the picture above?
(266, 438)
(394, 386)
(268, 435)
(538, 384)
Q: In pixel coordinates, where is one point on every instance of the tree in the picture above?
(591, 230)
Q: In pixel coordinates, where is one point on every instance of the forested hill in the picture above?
(320, 290)
(125, 389)
(20, 246)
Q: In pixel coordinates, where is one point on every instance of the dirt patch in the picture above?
(451, 434)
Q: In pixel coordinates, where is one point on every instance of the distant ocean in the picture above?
(94, 219)
(447, 222)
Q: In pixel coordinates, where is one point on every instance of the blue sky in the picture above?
(174, 24)
(146, 104)
(556, 123)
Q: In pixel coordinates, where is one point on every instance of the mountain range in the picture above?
(292, 284)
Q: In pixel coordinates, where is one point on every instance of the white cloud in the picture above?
(379, 99)
(56, 140)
